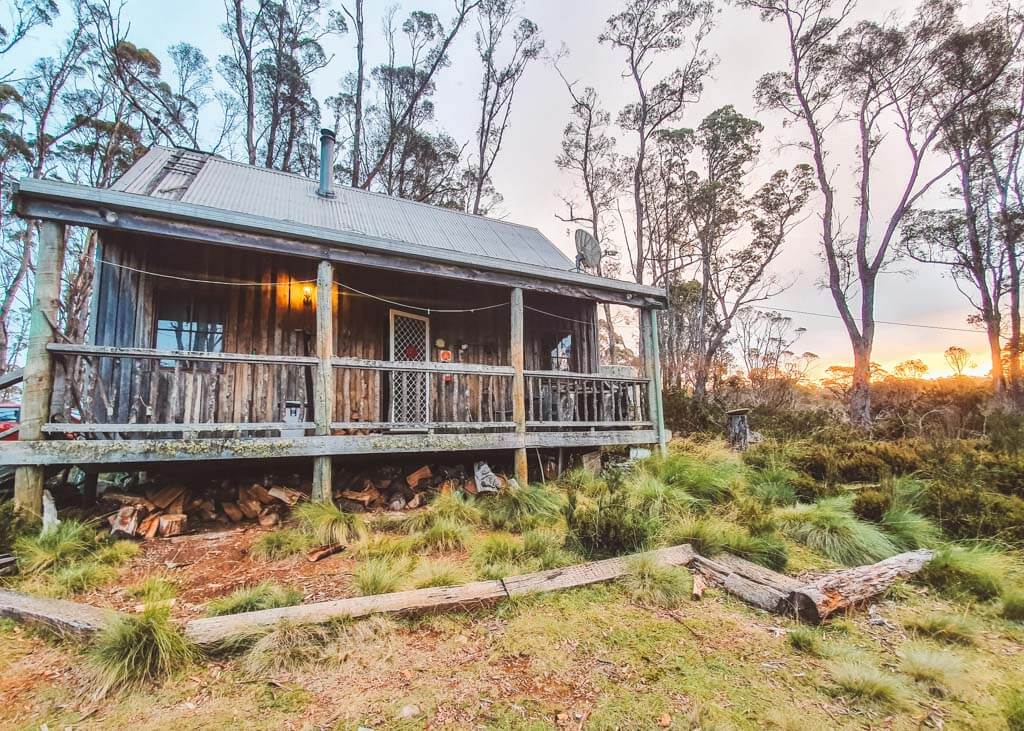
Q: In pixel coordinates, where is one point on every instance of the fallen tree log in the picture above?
(214, 630)
(54, 614)
(837, 590)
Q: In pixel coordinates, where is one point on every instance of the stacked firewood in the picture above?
(390, 487)
(167, 511)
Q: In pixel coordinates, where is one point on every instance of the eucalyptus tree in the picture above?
(866, 79)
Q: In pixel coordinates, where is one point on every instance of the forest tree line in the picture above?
(934, 105)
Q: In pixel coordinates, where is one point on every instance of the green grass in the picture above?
(58, 546)
(652, 494)
(380, 576)
(116, 553)
(773, 484)
(328, 524)
(280, 543)
(138, 648)
(977, 570)
(830, 528)
(285, 647)
(444, 534)
(806, 640)
(152, 589)
(713, 477)
(938, 667)
(610, 524)
(651, 584)
(546, 548)
(521, 508)
(1013, 710)
(1013, 605)
(862, 681)
(78, 577)
(943, 626)
(385, 546)
(458, 507)
(438, 573)
(710, 535)
(265, 595)
(909, 530)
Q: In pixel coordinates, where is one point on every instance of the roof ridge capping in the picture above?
(213, 157)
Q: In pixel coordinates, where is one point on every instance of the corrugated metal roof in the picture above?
(207, 180)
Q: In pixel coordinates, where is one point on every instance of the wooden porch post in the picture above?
(518, 383)
(323, 387)
(38, 388)
(652, 364)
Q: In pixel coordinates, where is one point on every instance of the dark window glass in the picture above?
(558, 347)
(191, 323)
(9, 413)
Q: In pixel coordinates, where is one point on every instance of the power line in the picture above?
(877, 322)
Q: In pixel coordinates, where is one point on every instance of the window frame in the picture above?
(215, 304)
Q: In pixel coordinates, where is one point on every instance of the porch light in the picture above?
(307, 296)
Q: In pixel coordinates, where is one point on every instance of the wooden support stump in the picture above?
(518, 383)
(323, 392)
(737, 429)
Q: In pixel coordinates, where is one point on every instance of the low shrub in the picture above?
(806, 641)
(978, 570)
(1013, 605)
(328, 524)
(830, 527)
(654, 585)
(609, 524)
(862, 681)
(1013, 710)
(943, 626)
(280, 543)
(55, 547)
(380, 576)
(871, 504)
(138, 648)
(972, 511)
(265, 595)
(938, 667)
(153, 589)
(13, 524)
(444, 534)
(521, 508)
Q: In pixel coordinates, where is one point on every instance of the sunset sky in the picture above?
(532, 186)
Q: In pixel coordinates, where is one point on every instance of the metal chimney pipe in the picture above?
(326, 163)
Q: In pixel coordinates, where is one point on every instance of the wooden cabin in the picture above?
(244, 313)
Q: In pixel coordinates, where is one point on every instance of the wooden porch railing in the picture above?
(146, 391)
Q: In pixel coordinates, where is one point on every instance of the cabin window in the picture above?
(191, 322)
(557, 347)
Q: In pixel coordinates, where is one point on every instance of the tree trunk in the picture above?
(357, 126)
(860, 388)
(996, 354)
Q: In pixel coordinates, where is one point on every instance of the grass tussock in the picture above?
(380, 576)
(830, 528)
(455, 507)
(943, 626)
(709, 536)
(520, 508)
(385, 546)
(862, 681)
(328, 524)
(774, 484)
(280, 543)
(610, 524)
(909, 530)
(978, 570)
(652, 494)
(1013, 605)
(444, 534)
(152, 589)
(116, 553)
(265, 595)
(78, 577)
(58, 546)
(652, 584)
(711, 474)
(140, 648)
(285, 647)
(940, 668)
(806, 640)
(1013, 710)
(438, 573)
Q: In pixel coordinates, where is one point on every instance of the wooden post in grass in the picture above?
(652, 365)
(38, 383)
(518, 383)
(323, 387)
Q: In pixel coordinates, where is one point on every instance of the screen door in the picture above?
(410, 392)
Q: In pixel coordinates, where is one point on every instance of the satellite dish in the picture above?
(588, 250)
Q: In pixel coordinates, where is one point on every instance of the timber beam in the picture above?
(131, 451)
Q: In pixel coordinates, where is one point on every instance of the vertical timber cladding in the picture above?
(278, 317)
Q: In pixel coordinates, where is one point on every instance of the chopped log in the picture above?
(207, 510)
(415, 502)
(171, 525)
(285, 494)
(250, 507)
(163, 497)
(322, 552)
(260, 493)
(149, 526)
(699, 585)
(56, 614)
(232, 510)
(268, 519)
(214, 630)
(124, 498)
(591, 461)
(8, 564)
(763, 596)
(365, 496)
(177, 505)
(126, 521)
(423, 473)
(837, 590)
